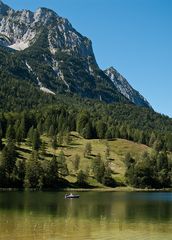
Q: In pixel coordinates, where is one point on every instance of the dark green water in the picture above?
(96, 215)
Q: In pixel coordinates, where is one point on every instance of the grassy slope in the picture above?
(118, 150)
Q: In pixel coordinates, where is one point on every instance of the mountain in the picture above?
(125, 88)
(4, 9)
(43, 50)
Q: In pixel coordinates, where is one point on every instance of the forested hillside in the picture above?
(92, 120)
(52, 92)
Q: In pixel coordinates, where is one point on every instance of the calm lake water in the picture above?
(96, 215)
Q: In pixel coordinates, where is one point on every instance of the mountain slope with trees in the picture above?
(40, 133)
(44, 50)
(52, 91)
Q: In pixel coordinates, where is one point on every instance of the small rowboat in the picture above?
(71, 195)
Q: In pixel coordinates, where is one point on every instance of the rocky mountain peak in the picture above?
(24, 28)
(58, 58)
(125, 88)
(4, 9)
(44, 15)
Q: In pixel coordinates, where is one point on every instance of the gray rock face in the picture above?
(24, 27)
(125, 88)
(4, 9)
(58, 58)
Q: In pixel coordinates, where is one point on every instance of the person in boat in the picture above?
(71, 195)
(68, 195)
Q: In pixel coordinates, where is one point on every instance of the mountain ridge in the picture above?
(52, 54)
(125, 88)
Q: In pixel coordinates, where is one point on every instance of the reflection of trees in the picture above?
(112, 207)
(147, 207)
(48, 214)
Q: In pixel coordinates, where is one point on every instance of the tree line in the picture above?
(94, 121)
(150, 171)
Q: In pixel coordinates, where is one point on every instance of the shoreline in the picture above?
(117, 189)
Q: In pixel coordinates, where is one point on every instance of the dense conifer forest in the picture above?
(92, 120)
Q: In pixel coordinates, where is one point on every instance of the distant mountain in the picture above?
(45, 51)
(125, 88)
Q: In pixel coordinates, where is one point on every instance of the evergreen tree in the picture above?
(101, 129)
(129, 161)
(10, 133)
(1, 132)
(63, 169)
(107, 151)
(87, 131)
(8, 158)
(30, 136)
(60, 138)
(76, 162)
(43, 148)
(82, 119)
(152, 139)
(19, 172)
(54, 143)
(19, 135)
(162, 161)
(23, 127)
(52, 173)
(109, 133)
(98, 168)
(82, 178)
(158, 144)
(36, 141)
(33, 172)
(169, 142)
(51, 131)
(40, 127)
(107, 179)
(1, 144)
(87, 150)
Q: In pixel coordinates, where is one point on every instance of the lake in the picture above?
(96, 215)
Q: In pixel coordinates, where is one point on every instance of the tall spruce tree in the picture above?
(36, 141)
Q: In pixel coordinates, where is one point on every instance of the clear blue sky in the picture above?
(134, 36)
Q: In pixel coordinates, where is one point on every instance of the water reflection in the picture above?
(47, 215)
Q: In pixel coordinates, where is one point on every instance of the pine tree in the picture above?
(33, 172)
(98, 168)
(107, 151)
(10, 133)
(54, 143)
(43, 148)
(20, 169)
(76, 162)
(51, 131)
(87, 150)
(60, 138)
(19, 135)
(1, 144)
(36, 141)
(107, 179)
(158, 144)
(152, 139)
(63, 169)
(82, 119)
(8, 158)
(40, 127)
(101, 129)
(52, 173)
(82, 178)
(169, 142)
(162, 161)
(30, 136)
(87, 131)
